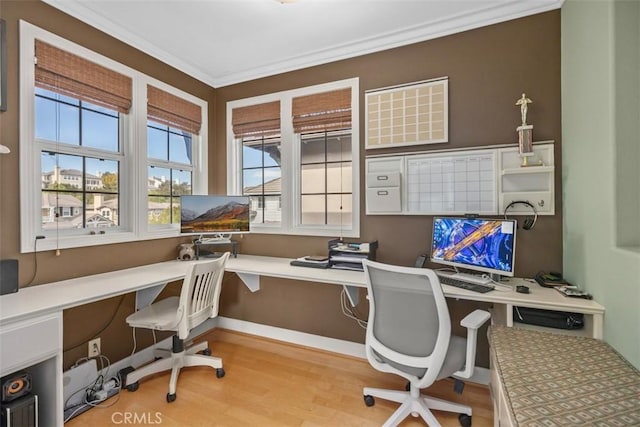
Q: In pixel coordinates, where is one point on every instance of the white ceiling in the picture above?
(222, 42)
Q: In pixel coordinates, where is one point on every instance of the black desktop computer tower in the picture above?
(21, 412)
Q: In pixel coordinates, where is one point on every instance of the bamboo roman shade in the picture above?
(173, 111)
(322, 111)
(68, 74)
(254, 120)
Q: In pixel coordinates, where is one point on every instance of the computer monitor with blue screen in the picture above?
(483, 245)
(217, 216)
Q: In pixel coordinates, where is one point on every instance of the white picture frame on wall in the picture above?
(409, 114)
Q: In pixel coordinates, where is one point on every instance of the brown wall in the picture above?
(488, 69)
(81, 323)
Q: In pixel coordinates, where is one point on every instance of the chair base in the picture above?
(175, 361)
(416, 404)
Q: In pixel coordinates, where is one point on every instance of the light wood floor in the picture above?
(269, 383)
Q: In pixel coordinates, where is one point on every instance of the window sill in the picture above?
(325, 232)
(86, 240)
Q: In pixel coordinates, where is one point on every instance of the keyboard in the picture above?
(475, 287)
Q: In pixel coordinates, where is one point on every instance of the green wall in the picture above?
(600, 104)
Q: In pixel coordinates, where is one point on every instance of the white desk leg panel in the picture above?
(353, 294)
(598, 326)
(144, 297)
(251, 281)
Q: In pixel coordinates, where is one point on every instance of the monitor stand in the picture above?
(215, 239)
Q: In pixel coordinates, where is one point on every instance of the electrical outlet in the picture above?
(94, 347)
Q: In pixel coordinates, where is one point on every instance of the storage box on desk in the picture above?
(349, 256)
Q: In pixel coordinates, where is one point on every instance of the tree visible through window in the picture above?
(169, 172)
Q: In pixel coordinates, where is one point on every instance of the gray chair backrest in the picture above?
(405, 315)
(409, 328)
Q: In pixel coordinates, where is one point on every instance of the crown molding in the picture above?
(508, 10)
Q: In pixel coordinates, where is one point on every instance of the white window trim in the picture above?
(290, 166)
(133, 189)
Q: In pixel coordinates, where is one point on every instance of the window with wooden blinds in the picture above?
(68, 74)
(173, 111)
(408, 115)
(256, 120)
(325, 111)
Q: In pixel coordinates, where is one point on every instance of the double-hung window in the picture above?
(295, 154)
(105, 151)
(172, 123)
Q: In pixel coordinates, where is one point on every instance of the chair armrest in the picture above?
(472, 322)
(476, 319)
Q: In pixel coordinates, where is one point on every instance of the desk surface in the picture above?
(43, 299)
(538, 297)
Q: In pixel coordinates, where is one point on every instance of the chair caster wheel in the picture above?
(220, 372)
(465, 420)
(206, 352)
(171, 397)
(369, 400)
(133, 386)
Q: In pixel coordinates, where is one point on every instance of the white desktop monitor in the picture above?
(484, 245)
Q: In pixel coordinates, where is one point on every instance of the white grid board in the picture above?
(408, 115)
(452, 184)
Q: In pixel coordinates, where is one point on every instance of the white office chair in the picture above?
(198, 302)
(409, 334)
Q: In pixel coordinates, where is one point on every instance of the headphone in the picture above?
(529, 222)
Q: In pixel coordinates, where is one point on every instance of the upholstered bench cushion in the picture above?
(561, 380)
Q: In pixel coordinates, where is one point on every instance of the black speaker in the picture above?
(15, 385)
(8, 276)
(21, 412)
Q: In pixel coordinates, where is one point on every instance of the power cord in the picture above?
(113, 316)
(349, 311)
(98, 390)
(35, 259)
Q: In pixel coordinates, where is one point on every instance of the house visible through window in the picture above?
(78, 129)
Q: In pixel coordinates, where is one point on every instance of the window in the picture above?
(325, 179)
(80, 160)
(86, 140)
(172, 124)
(295, 153)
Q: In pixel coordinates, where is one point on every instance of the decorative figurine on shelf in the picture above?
(525, 132)
(186, 252)
(522, 102)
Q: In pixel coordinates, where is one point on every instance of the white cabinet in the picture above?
(34, 345)
(384, 178)
(534, 184)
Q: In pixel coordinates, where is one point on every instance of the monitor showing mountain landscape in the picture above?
(214, 214)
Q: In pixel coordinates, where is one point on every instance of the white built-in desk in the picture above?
(31, 319)
(249, 268)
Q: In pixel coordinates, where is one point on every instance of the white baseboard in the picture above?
(334, 345)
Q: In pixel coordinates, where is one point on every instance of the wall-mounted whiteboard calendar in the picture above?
(460, 183)
(480, 181)
(439, 183)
